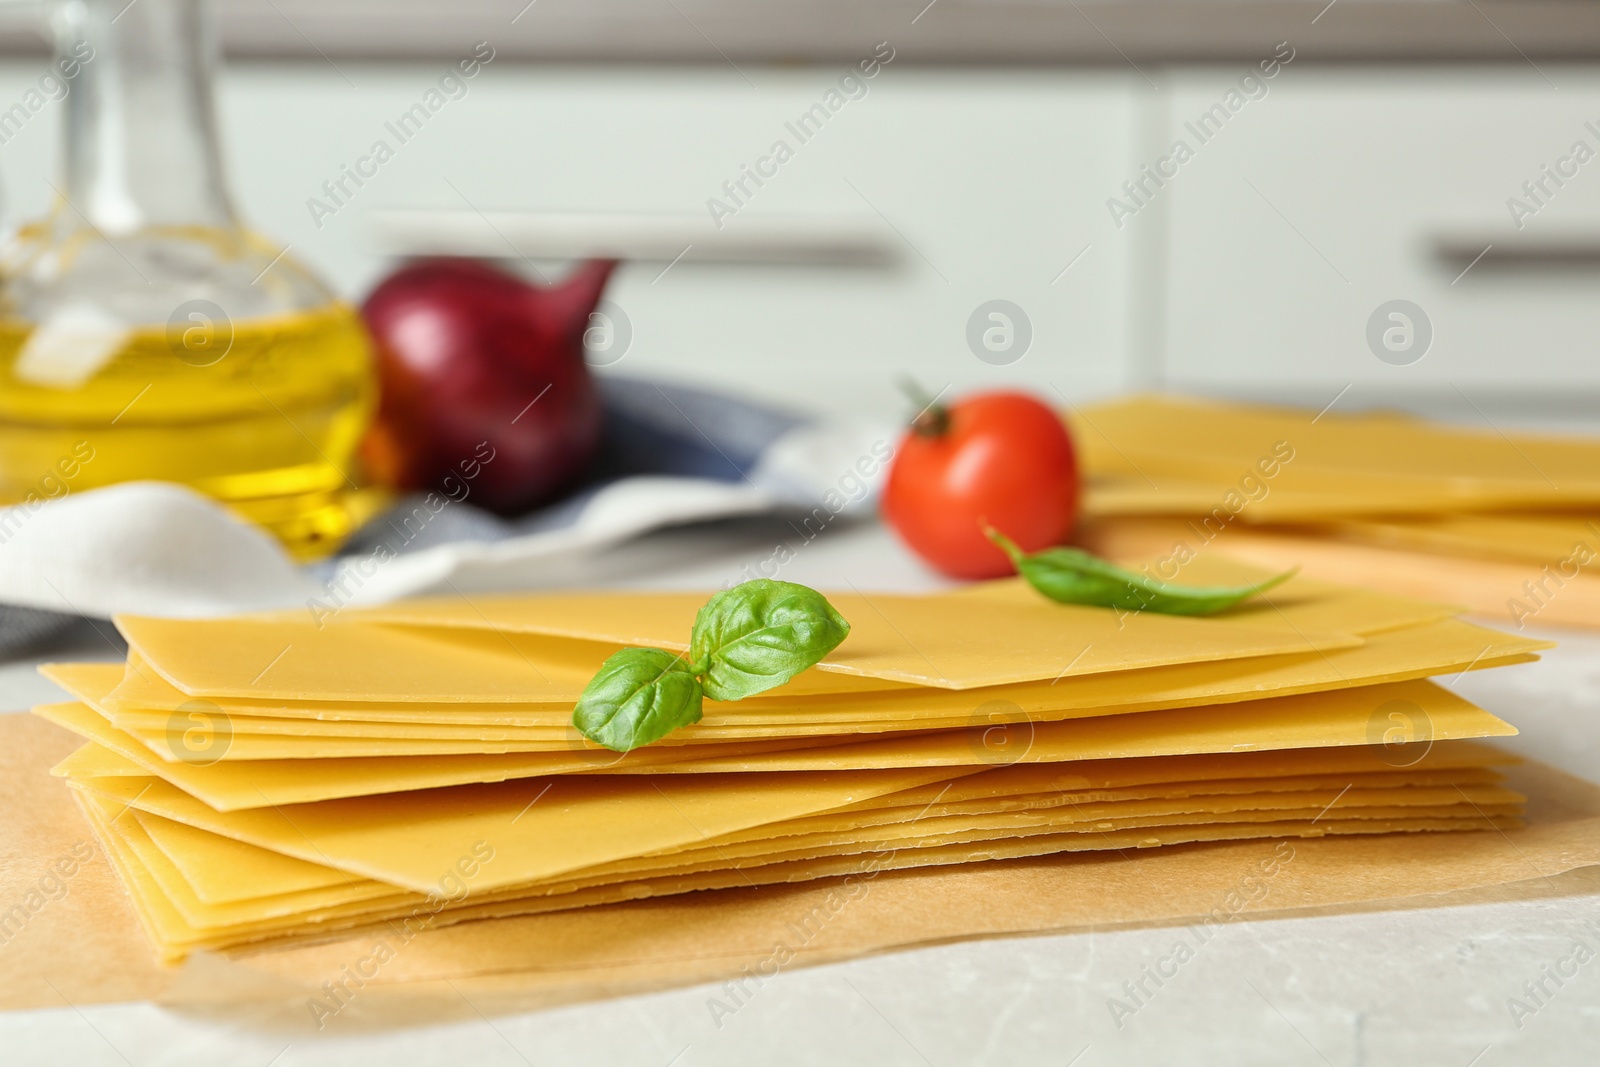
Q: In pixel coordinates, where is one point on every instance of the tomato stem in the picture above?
(932, 418)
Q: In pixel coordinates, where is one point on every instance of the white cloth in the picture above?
(153, 548)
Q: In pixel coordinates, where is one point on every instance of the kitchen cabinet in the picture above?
(1344, 190)
(1254, 267)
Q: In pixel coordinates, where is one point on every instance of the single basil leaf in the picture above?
(760, 634)
(1073, 576)
(639, 695)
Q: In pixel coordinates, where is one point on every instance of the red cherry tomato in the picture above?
(1001, 457)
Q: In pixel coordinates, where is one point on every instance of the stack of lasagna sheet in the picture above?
(1508, 523)
(274, 778)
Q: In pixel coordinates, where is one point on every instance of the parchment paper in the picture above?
(76, 940)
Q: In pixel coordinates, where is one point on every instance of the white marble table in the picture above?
(1416, 987)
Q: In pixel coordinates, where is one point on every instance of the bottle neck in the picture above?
(140, 144)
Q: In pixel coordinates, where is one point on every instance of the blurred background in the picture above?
(693, 251)
(984, 161)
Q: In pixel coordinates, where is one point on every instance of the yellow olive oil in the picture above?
(264, 415)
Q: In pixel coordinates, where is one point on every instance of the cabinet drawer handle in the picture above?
(783, 239)
(1491, 253)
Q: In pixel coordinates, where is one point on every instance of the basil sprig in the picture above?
(760, 634)
(745, 640)
(1073, 576)
(638, 696)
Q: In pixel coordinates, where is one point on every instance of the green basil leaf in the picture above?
(760, 634)
(1073, 576)
(638, 696)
